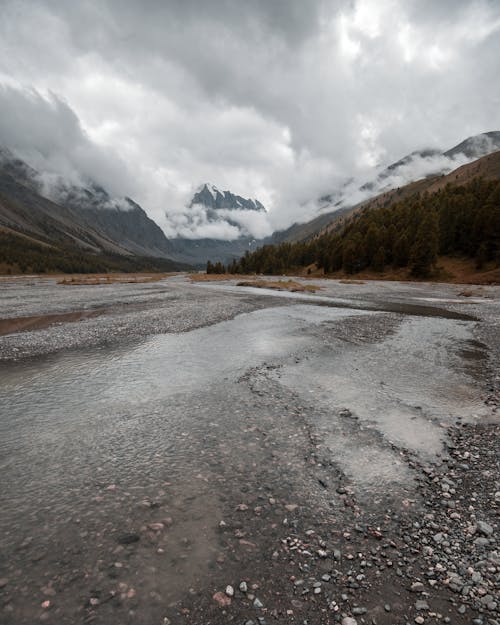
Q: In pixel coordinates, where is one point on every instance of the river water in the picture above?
(106, 446)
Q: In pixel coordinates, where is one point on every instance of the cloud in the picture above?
(282, 100)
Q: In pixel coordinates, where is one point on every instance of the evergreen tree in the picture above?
(424, 251)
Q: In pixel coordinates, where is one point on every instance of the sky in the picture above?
(281, 100)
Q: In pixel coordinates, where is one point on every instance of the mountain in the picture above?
(218, 208)
(477, 146)
(210, 197)
(453, 219)
(415, 168)
(82, 220)
(120, 219)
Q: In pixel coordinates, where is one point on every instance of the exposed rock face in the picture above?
(211, 197)
(218, 207)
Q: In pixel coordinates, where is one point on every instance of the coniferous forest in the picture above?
(461, 221)
(23, 255)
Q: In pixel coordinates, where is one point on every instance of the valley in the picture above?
(203, 452)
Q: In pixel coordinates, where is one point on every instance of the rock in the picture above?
(359, 611)
(291, 507)
(419, 620)
(222, 599)
(229, 591)
(347, 620)
(243, 587)
(156, 527)
(3, 582)
(421, 605)
(128, 539)
(417, 587)
(484, 528)
(257, 603)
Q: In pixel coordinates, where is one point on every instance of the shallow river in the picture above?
(96, 445)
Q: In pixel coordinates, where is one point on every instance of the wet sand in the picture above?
(333, 452)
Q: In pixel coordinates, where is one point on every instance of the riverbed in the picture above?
(172, 439)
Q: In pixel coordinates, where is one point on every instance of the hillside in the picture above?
(411, 174)
(83, 228)
(487, 167)
(455, 216)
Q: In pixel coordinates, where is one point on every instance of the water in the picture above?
(99, 442)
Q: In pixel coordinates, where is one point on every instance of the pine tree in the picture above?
(424, 251)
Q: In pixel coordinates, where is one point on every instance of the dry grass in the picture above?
(112, 278)
(280, 285)
(450, 270)
(351, 281)
(215, 277)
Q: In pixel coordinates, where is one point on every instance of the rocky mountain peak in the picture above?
(211, 197)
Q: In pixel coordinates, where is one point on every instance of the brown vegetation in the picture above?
(112, 278)
(280, 285)
(214, 277)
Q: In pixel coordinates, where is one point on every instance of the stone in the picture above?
(243, 587)
(258, 603)
(359, 611)
(222, 599)
(347, 620)
(129, 538)
(229, 591)
(484, 528)
(417, 587)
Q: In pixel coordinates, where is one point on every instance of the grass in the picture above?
(280, 285)
(112, 278)
(215, 277)
(449, 270)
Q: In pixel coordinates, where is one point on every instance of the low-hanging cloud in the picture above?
(282, 101)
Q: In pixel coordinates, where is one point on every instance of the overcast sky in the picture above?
(273, 99)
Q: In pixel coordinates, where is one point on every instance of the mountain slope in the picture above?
(487, 167)
(416, 169)
(458, 216)
(84, 220)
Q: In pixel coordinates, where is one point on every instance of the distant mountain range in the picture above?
(88, 219)
(209, 196)
(218, 207)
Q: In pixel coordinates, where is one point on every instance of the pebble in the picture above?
(229, 591)
(128, 539)
(222, 599)
(484, 528)
(347, 620)
(243, 587)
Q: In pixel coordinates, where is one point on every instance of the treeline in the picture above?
(19, 254)
(455, 221)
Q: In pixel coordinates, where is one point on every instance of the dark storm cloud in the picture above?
(278, 99)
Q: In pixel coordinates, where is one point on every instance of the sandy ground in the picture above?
(207, 453)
